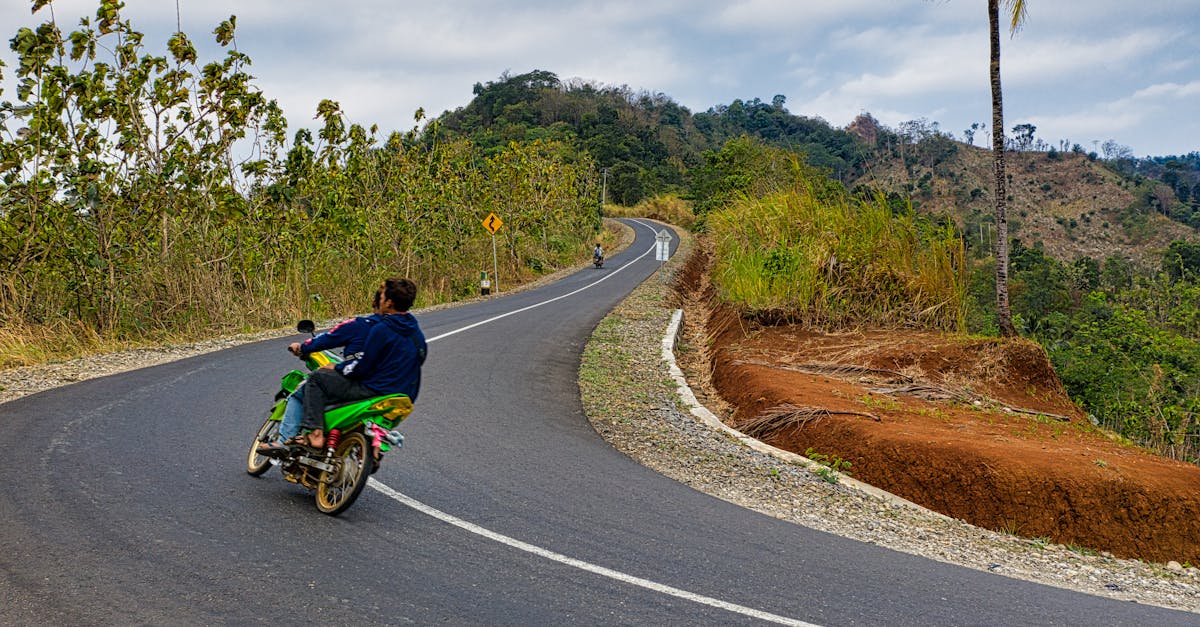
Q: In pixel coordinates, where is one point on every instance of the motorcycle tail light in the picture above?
(394, 408)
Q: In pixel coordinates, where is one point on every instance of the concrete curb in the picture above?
(705, 416)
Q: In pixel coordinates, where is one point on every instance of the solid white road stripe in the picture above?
(546, 302)
(582, 565)
(558, 557)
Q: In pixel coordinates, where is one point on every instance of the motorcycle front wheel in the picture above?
(257, 464)
(339, 488)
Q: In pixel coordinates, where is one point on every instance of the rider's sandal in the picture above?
(271, 448)
(304, 440)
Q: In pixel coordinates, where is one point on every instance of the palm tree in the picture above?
(1016, 10)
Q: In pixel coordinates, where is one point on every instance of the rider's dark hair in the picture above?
(402, 293)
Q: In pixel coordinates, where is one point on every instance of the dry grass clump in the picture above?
(789, 418)
(836, 263)
(668, 208)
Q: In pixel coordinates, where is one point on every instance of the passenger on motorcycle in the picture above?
(390, 363)
(598, 253)
(349, 335)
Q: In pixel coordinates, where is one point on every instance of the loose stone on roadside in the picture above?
(735, 473)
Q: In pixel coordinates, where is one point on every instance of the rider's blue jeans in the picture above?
(289, 427)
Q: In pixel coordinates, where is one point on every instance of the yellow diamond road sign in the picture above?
(492, 223)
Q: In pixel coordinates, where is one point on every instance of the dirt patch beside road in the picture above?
(979, 429)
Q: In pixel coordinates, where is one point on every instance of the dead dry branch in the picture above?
(910, 387)
(788, 417)
(943, 393)
(840, 371)
(927, 392)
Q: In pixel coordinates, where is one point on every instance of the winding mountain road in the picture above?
(124, 501)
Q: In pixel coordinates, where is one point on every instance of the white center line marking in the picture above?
(546, 302)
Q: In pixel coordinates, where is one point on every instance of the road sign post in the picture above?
(662, 251)
(493, 223)
(662, 246)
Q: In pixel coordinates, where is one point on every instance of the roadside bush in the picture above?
(833, 262)
(668, 208)
(142, 222)
(1137, 379)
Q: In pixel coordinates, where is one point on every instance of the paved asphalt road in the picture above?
(124, 501)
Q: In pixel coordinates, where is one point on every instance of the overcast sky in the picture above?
(1079, 71)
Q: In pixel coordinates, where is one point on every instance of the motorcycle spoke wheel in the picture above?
(338, 489)
(257, 464)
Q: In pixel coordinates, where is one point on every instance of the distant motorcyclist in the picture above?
(598, 254)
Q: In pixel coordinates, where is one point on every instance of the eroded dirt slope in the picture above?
(976, 428)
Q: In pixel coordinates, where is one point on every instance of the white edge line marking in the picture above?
(582, 565)
(558, 557)
(546, 302)
(708, 418)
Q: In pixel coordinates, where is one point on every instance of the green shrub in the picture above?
(834, 262)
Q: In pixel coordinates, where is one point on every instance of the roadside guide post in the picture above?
(485, 286)
(662, 251)
(662, 246)
(492, 223)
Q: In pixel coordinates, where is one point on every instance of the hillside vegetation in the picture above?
(1104, 260)
(1070, 204)
(187, 210)
(810, 254)
(195, 210)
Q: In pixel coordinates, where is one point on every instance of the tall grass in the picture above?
(835, 262)
(198, 272)
(186, 211)
(668, 208)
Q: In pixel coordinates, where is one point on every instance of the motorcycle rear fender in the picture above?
(389, 411)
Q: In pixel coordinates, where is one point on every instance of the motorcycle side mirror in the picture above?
(306, 326)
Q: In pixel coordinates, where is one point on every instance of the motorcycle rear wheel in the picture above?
(257, 464)
(337, 490)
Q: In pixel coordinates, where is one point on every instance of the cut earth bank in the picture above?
(978, 429)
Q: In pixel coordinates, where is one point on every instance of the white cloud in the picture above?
(1168, 90)
(1056, 58)
(1106, 69)
(1085, 125)
(741, 16)
(938, 64)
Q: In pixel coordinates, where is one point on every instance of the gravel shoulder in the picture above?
(650, 424)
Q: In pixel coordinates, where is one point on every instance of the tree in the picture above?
(1114, 151)
(1023, 135)
(1181, 259)
(1016, 9)
(969, 134)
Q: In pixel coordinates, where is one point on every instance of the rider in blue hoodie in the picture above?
(349, 335)
(390, 363)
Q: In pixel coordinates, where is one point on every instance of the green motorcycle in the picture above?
(358, 433)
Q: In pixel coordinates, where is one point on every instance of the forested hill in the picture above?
(1073, 201)
(648, 143)
(1104, 268)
